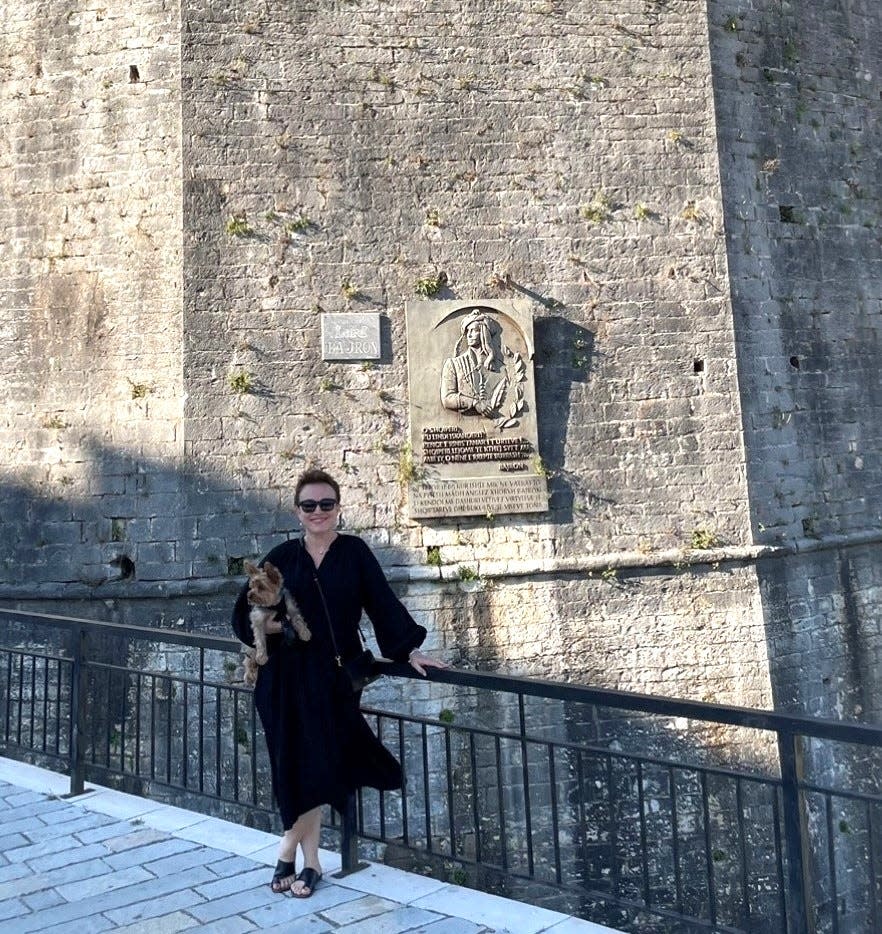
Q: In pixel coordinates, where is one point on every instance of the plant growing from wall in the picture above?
(539, 467)
(408, 470)
(466, 573)
(140, 390)
(433, 556)
(581, 354)
(703, 539)
(298, 224)
(500, 279)
(381, 77)
(241, 382)
(53, 421)
(427, 286)
(238, 226)
(692, 213)
(597, 210)
(348, 288)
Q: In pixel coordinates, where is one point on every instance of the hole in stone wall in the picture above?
(794, 362)
(118, 529)
(787, 213)
(134, 74)
(808, 526)
(698, 366)
(126, 567)
(235, 566)
(38, 70)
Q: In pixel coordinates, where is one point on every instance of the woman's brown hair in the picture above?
(314, 475)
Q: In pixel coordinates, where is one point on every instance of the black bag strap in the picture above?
(337, 657)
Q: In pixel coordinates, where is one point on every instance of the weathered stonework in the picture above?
(685, 193)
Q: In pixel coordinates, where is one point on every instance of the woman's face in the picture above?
(318, 520)
(473, 334)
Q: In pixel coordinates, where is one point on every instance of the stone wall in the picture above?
(336, 155)
(90, 284)
(797, 91)
(339, 153)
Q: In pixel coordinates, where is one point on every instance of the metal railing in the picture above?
(632, 810)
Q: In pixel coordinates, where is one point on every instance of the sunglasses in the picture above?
(326, 505)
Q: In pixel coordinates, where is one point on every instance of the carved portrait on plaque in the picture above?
(484, 377)
(472, 409)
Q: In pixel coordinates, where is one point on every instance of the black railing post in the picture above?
(77, 750)
(349, 840)
(800, 918)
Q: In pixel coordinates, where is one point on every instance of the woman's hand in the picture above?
(419, 661)
(273, 626)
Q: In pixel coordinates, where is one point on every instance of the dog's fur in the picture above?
(266, 589)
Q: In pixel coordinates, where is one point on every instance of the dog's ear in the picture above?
(250, 568)
(273, 574)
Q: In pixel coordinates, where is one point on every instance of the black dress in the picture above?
(320, 746)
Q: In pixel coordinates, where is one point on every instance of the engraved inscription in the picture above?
(455, 446)
(480, 497)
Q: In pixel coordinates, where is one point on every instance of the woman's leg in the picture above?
(309, 828)
(288, 844)
(287, 854)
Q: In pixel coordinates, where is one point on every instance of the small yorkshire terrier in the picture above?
(266, 591)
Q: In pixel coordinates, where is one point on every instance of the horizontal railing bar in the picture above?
(170, 676)
(570, 746)
(29, 653)
(195, 639)
(865, 797)
(837, 730)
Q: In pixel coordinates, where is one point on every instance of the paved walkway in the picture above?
(107, 861)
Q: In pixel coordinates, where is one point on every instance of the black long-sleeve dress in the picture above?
(320, 746)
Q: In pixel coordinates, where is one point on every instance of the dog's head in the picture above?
(264, 584)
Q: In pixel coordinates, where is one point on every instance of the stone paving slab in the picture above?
(107, 861)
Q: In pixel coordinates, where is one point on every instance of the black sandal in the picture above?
(310, 878)
(283, 871)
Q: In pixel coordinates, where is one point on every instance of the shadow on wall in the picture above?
(116, 525)
(147, 523)
(564, 356)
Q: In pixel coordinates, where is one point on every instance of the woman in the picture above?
(320, 746)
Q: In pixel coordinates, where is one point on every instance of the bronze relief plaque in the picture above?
(473, 429)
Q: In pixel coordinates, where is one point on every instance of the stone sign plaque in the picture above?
(351, 336)
(473, 429)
